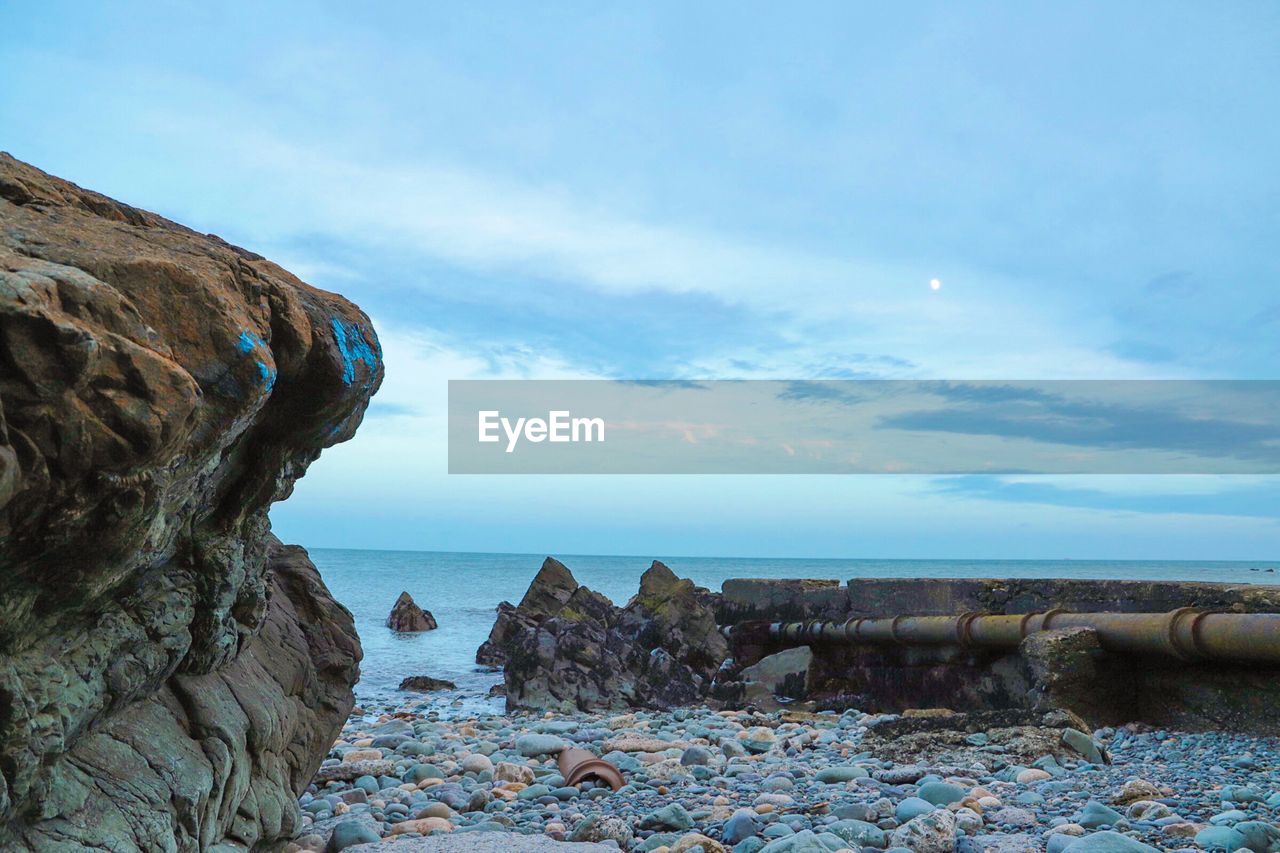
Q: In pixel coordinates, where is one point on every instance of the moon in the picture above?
(935, 284)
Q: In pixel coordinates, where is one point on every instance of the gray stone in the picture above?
(481, 842)
(1085, 745)
(930, 833)
(351, 832)
(533, 746)
(741, 826)
(1095, 814)
(941, 793)
(1226, 838)
(671, 816)
(603, 828)
(805, 841)
(1109, 842)
(695, 756)
(858, 832)
(783, 674)
(840, 773)
(912, 807)
(1259, 836)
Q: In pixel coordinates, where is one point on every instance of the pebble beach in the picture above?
(408, 777)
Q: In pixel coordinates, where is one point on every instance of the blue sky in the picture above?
(713, 191)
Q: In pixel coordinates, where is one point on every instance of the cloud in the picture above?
(1237, 497)
(1200, 419)
(802, 304)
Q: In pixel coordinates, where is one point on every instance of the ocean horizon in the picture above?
(463, 589)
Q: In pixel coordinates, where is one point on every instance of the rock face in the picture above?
(170, 675)
(567, 648)
(406, 616)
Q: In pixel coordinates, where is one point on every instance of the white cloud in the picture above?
(1146, 485)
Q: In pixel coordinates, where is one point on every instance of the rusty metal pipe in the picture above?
(1187, 633)
(578, 765)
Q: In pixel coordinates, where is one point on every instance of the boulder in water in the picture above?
(407, 617)
(426, 684)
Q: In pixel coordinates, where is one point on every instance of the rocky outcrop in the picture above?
(407, 617)
(170, 674)
(550, 590)
(567, 647)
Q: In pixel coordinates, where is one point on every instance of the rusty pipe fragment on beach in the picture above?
(1187, 633)
(577, 765)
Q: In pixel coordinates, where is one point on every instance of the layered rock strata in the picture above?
(170, 675)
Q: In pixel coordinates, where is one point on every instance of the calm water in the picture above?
(462, 590)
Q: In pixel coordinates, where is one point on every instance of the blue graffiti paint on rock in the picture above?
(249, 341)
(353, 347)
(268, 374)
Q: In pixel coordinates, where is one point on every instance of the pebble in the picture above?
(754, 782)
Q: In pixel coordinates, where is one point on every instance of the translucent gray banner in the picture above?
(864, 427)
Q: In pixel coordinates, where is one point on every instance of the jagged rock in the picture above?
(407, 617)
(670, 612)
(568, 648)
(547, 593)
(551, 588)
(493, 651)
(425, 684)
(172, 676)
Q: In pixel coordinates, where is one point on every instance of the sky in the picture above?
(713, 191)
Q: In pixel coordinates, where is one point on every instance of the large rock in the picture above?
(426, 684)
(785, 673)
(171, 675)
(669, 613)
(407, 617)
(569, 648)
(547, 593)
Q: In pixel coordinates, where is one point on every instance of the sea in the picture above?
(462, 591)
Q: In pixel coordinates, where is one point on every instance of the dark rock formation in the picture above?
(566, 647)
(426, 684)
(170, 675)
(406, 616)
(551, 588)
